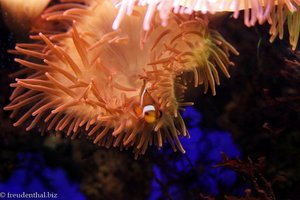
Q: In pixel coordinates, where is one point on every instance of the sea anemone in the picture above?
(276, 13)
(82, 77)
(19, 15)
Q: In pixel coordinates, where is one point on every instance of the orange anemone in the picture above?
(82, 77)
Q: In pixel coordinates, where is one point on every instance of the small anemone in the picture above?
(276, 13)
(19, 15)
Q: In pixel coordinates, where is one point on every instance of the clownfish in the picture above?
(147, 108)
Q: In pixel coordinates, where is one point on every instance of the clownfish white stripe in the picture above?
(148, 108)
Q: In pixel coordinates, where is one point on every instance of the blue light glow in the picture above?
(195, 171)
(35, 176)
